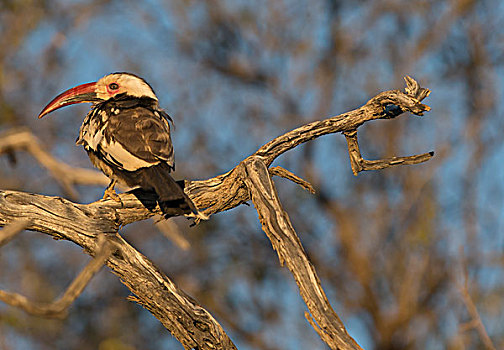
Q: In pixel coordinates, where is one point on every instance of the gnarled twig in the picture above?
(359, 164)
(286, 174)
(58, 308)
(67, 176)
(12, 230)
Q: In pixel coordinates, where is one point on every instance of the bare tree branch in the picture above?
(12, 230)
(191, 324)
(359, 164)
(58, 309)
(67, 176)
(226, 191)
(475, 322)
(276, 223)
(171, 231)
(379, 107)
(281, 172)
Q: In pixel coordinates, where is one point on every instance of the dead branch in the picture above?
(67, 176)
(359, 164)
(192, 325)
(276, 223)
(82, 224)
(386, 105)
(286, 174)
(171, 231)
(58, 308)
(12, 230)
(475, 322)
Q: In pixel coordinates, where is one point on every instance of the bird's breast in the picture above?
(93, 129)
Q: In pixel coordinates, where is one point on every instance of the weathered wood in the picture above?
(375, 108)
(276, 223)
(59, 308)
(65, 175)
(191, 324)
(359, 164)
(12, 230)
(281, 172)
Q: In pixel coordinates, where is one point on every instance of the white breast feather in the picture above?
(91, 134)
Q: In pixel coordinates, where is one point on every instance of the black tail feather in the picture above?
(172, 198)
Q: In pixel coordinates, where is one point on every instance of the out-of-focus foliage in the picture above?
(389, 246)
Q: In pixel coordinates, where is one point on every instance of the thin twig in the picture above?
(170, 230)
(286, 174)
(22, 139)
(58, 308)
(476, 321)
(359, 164)
(13, 229)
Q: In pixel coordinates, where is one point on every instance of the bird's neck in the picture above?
(124, 101)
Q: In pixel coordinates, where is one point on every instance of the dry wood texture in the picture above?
(190, 323)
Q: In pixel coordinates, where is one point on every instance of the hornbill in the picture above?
(127, 136)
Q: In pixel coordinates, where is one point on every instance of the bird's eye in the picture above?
(113, 86)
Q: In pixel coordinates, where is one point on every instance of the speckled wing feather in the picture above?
(136, 138)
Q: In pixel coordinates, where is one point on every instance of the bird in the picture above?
(127, 136)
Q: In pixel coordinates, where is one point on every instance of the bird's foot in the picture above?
(198, 217)
(111, 193)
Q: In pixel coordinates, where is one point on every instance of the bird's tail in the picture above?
(172, 198)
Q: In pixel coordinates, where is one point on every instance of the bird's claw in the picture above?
(111, 193)
(198, 217)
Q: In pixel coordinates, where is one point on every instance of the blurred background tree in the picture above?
(394, 248)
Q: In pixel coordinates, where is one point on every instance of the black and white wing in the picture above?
(137, 138)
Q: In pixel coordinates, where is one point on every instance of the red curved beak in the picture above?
(79, 94)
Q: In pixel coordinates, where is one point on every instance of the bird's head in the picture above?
(108, 87)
